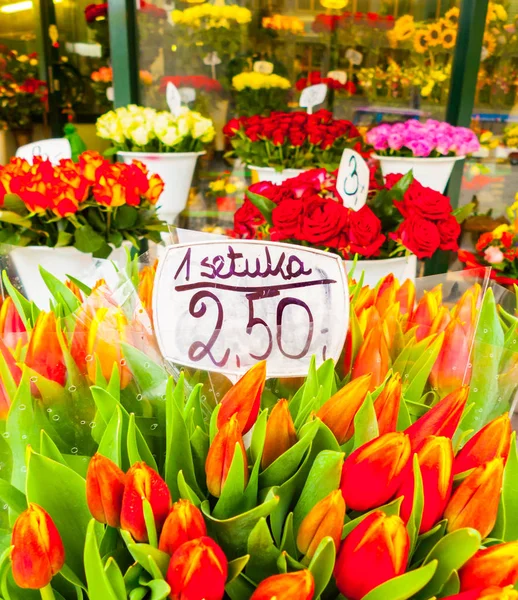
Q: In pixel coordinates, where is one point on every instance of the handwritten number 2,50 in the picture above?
(353, 179)
(252, 322)
(283, 304)
(206, 349)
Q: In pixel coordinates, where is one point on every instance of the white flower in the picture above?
(171, 137)
(141, 135)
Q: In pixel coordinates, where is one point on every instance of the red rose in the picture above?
(449, 230)
(324, 223)
(365, 236)
(297, 138)
(253, 132)
(278, 137)
(231, 127)
(424, 202)
(419, 235)
(286, 219)
(391, 179)
(246, 220)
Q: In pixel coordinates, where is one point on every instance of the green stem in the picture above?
(47, 593)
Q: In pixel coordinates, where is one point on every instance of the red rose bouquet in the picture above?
(294, 140)
(91, 205)
(198, 82)
(401, 217)
(315, 78)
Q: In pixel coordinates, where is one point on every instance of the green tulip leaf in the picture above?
(414, 523)
(149, 375)
(138, 449)
(510, 493)
(142, 553)
(159, 588)
(262, 552)
(322, 564)
(327, 380)
(288, 543)
(427, 541)
(452, 586)
(27, 310)
(111, 442)
(186, 492)
(115, 578)
(12, 496)
(60, 292)
(365, 423)
(236, 566)
(49, 449)
(232, 494)
(405, 586)
(258, 437)
(240, 588)
(99, 585)
(420, 372)
(307, 393)
(149, 519)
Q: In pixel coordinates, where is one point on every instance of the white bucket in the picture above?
(403, 267)
(430, 172)
(176, 169)
(270, 174)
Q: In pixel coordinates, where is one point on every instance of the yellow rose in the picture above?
(23, 58)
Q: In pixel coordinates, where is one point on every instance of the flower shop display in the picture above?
(102, 81)
(169, 145)
(315, 77)
(64, 216)
(286, 23)
(260, 93)
(284, 144)
(380, 485)
(228, 190)
(402, 221)
(429, 149)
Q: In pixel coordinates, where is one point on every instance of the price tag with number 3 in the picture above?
(352, 183)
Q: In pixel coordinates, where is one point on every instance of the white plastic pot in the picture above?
(270, 174)
(430, 172)
(404, 267)
(176, 169)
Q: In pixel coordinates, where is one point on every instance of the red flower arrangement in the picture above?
(402, 217)
(293, 140)
(96, 12)
(152, 10)
(198, 82)
(315, 77)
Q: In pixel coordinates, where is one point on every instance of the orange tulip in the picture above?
(11, 325)
(373, 357)
(441, 321)
(142, 482)
(451, 370)
(16, 373)
(156, 187)
(44, 354)
(104, 490)
(492, 593)
(74, 289)
(198, 571)
(184, 523)
(387, 405)
(368, 318)
(326, 518)
(425, 313)
(466, 308)
(38, 552)
(475, 502)
(405, 295)
(375, 551)
(221, 454)
(435, 457)
(339, 411)
(280, 434)
(442, 420)
(492, 441)
(497, 565)
(366, 298)
(146, 282)
(372, 474)
(386, 294)
(287, 586)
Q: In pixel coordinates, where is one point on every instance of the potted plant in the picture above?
(284, 144)
(260, 93)
(401, 222)
(169, 145)
(63, 217)
(429, 149)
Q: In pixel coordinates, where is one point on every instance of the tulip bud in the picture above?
(435, 457)
(475, 502)
(146, 282)
(368, 319)
(450, 370)
(142, 482)
(373, 357)
(386, 405)
(441, 420)
(375, 551)
(492, 593)
(424, 315)
(339, 411)
(497, 565)
(244, 398)
(405, 295)
(221, 453)
(297, 586)
(372, 474)
(12, 328)
(365, 299)
(104, 490)
(198, 571)
(38, 552)
(326, 518)
(74, 289)
(386, 294)
(441, 321)
(280, 433)
(183, 524)
(44, 354)
(492, 441)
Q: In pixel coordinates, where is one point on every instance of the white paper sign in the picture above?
(187, 94)
(313, 95)
(110, 93)
(340, 76)
(263, 66)
(225, 305)
(354, 57)
(173, 99)
(212, 59)
(352, 183)
(54, 150)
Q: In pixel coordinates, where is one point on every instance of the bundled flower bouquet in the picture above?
(259, 93)
(393, 481)
(402, 217)
(294, 140)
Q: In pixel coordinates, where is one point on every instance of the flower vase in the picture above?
(271, 175)
(219, 113)
(433, 173)
(22, 137)
(176, 169)
(403, 267)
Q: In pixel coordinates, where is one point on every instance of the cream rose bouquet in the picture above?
(137, 129)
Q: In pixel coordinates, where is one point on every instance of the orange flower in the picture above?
(368, 318)
(110, 190)
(405, 295)
(184, 523)
(89, 162)
(492, 593)
(425, 313)
(156, 187)
(64, 203)
(497, 565)
(386, 294)
(297, 586)
(146, 282)
(475, 502)
(280, 433)
(387, 405)
(38, 552)
(373, 357)
(44, 354)
(104, 490)
(12, 328)
(74, 289)
(450, 370)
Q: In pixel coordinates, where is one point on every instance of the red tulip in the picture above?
(244, 398)
(492, 593)
(475, 502)
(497, 565)
(295, 586)
(44, 354)
(184, 523)
(492, 441)
(386, 294)
(375, 551)
(372, 474)
(373, 357)
(142, 482)
(197, 571)
(12, 327)
(38, 552)
(435, 457)
(451, 370)
(387, 405)
(104, 490)
(280, 433)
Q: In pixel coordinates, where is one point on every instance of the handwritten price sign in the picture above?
(313, 95)
(53, 150)
(225, 305)
(352, 182)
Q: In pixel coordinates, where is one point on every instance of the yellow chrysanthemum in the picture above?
(421, 41)
(501, 13)
(489, 42)
(448, 38)
(434, 34)
(257, 81)
(491, 13)
(452, 16)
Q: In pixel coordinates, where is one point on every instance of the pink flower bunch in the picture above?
(431, 139)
